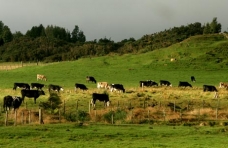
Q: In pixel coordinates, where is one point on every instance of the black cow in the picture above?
(92, 79)
(21, 85)
(209, 88)
(80, 86)
(54, 88)
(37, 86)
(31, 94)
(116, 87)
(184, 84)
(100, 97)
(9, 101)
(147, 83)
(193, 79)
(164, 82)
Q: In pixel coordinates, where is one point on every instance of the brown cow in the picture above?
(102, 85)
(223, 85)
(41, 77)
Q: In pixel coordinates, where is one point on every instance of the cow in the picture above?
(92, 79)
(166, 83)
(10, 101)
(147, 83)
(102, 85)
(21, 85)
(100, 97)
(41, 77)
(193, 79)
(54, 88)
(80, 86)
(37, 86)
(184, 84)
(223, 85)
(31, 94)
(209, 88)
(116, 87)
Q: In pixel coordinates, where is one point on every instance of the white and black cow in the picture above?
(21, 85)
(52, 87)
(209, 88)
(80, 86)
(165, 83)
(31, 94)
(90, 78)
(11, 102)
(37, 85)
(147, 83)
(116, 87)
(184, 84)
(193, 79)
(223, 85)
(102, 85)
(100, 97)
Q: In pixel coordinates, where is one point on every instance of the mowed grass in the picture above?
(106, 136)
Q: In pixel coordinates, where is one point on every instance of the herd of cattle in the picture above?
(36, 90)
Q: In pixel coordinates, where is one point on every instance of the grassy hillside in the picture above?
(205, 57)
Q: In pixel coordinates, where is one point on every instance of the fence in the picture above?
(10, 66)
(173, 112)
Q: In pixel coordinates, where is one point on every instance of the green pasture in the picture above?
(117, 136)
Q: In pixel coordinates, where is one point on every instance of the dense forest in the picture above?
(54, 43)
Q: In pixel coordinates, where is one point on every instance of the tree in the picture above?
(7, 36)
(36, 31)
(215, 26)
(17, 35)
(77, 35)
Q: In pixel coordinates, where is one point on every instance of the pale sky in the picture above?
(114, 19)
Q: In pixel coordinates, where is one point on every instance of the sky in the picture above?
(111, 19)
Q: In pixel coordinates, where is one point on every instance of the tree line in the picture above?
(54, 43)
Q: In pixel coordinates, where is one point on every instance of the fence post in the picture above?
(89, 107)
(22, 117)
(15, 117)
(40, 116)
(6, 119)
(148, 114)
(217, 109)
(144, 104)
(59, 116)
(112, 118)
(64, 107)
(174, 106)
(164, 114)
(21, 63)
(29, 114)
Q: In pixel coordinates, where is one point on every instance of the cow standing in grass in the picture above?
(41, 77)
(100, 97)
(11, 102)
(31, 94)
(91, 79)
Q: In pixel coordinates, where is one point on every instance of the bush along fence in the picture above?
(170, 112)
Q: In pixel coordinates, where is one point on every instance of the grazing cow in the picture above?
(209, 88)
(21, 85)
(147, 83)
(31, 94)
(80, 86)
(54, 88)
(92, 79)
(223, 85)
(116, 87)
(41, 77)
(166, 83)
(100, 97)
(37, 85)
(184, 84)
(9, 101)
(102, 85)
(193, 79)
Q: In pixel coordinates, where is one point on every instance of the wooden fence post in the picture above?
(40, 116)
(164, 114)
(22, 117)
(59, 116)
(64, 107)
(112, 118)
(174, 106)
(148, 114)
(29, 114)
(217, 109)
(89, 107)
(6, 119)
(15, 117)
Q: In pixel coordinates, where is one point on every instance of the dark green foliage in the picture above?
(54, 102)
(77, 116)
(116, 115)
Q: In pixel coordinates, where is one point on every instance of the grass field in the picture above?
(204, 57)
(129, 136)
